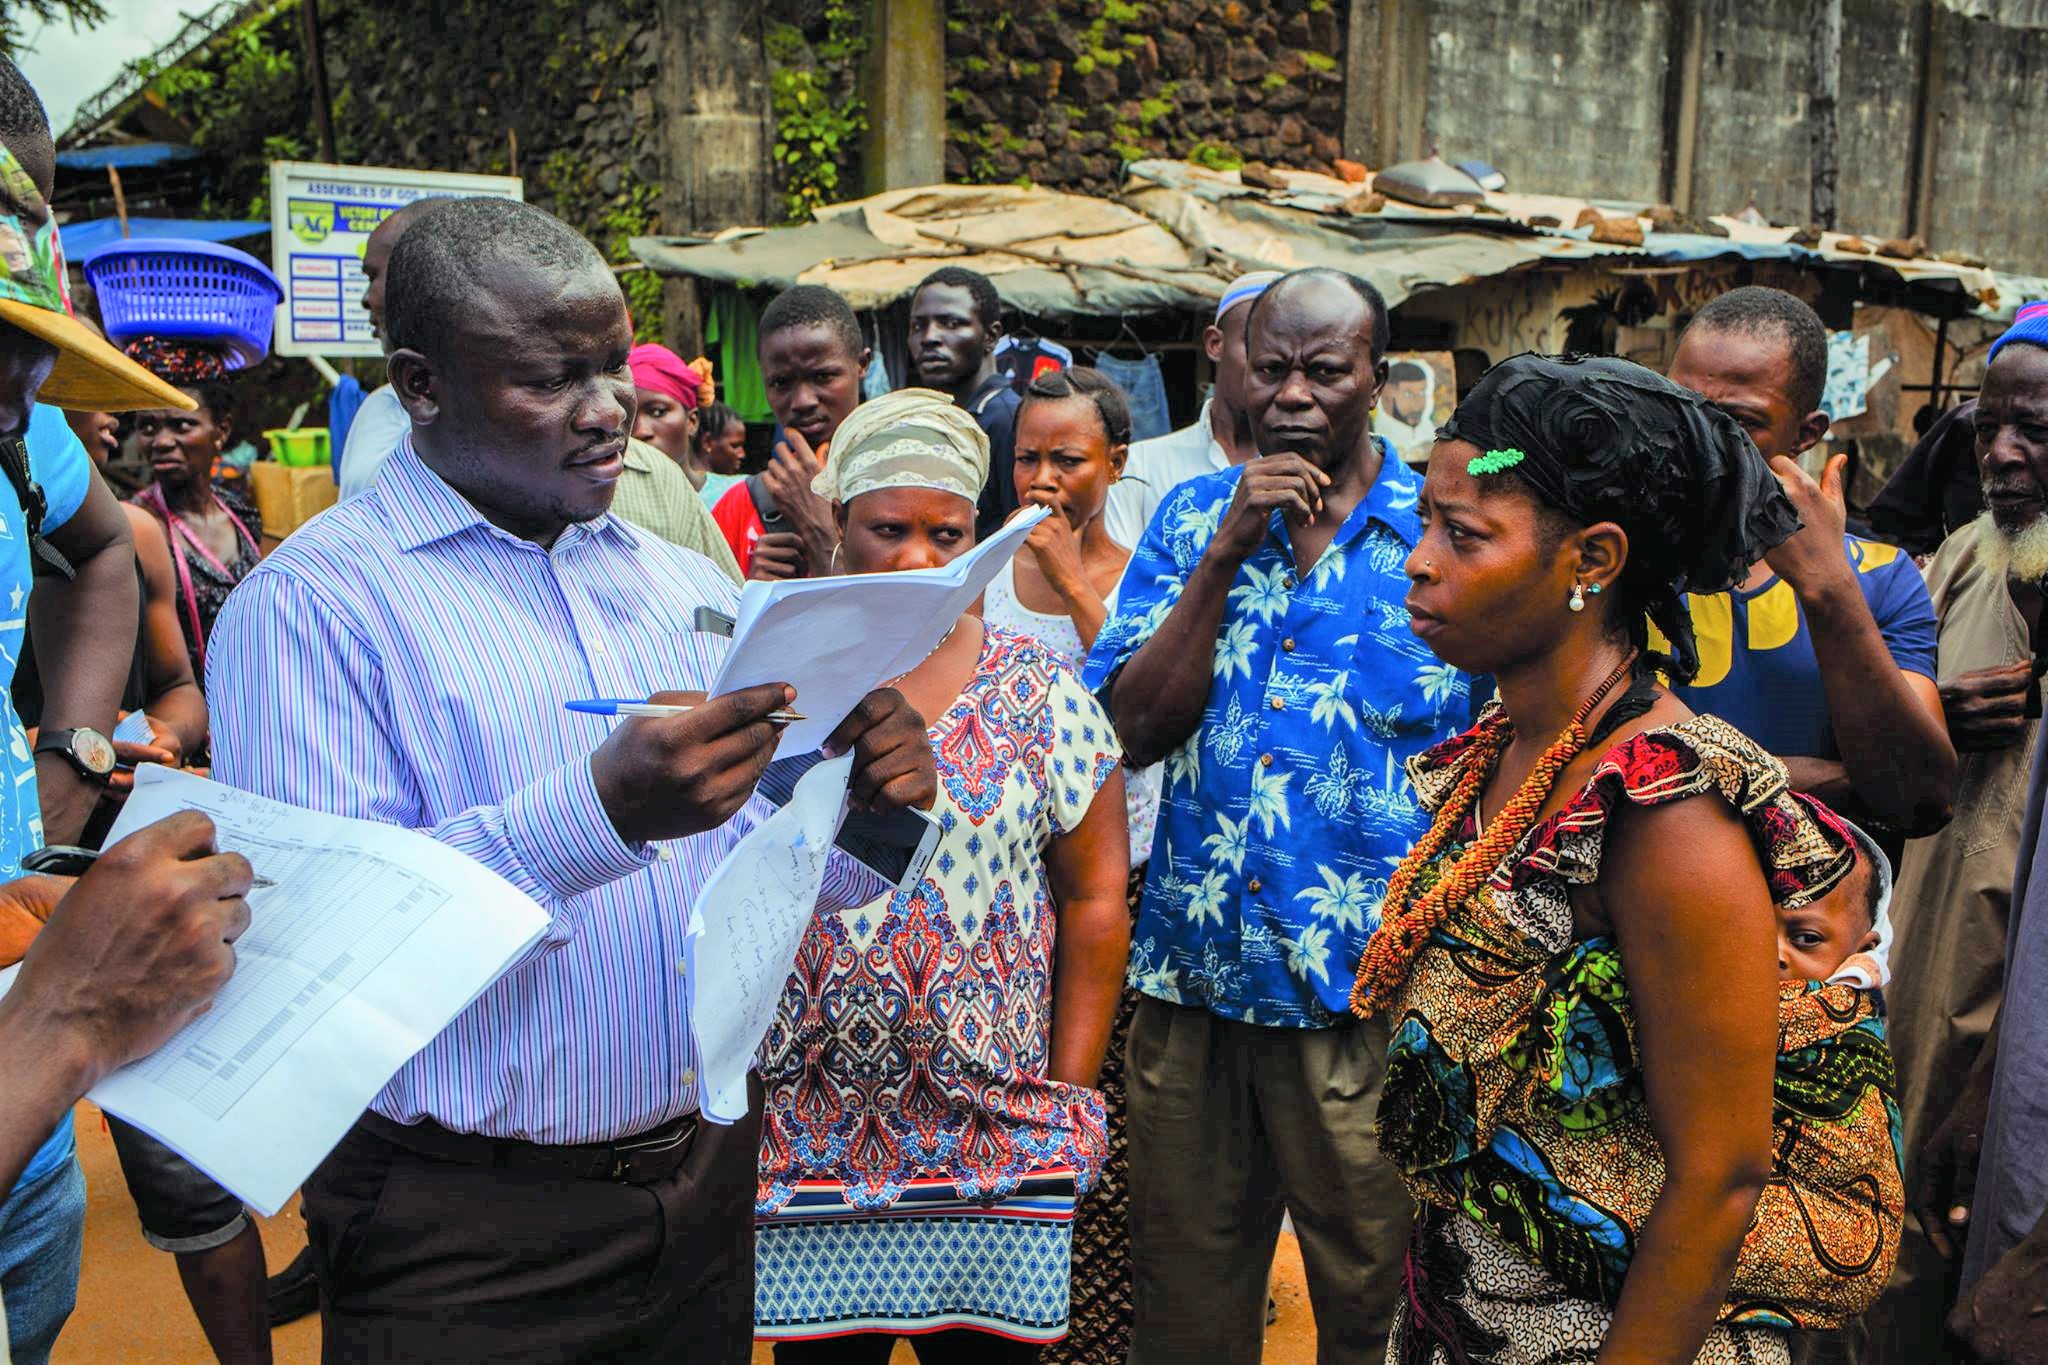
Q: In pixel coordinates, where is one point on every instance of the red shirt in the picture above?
(740, 522)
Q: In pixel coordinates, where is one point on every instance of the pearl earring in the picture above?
(1578, 600)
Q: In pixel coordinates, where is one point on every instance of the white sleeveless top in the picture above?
(1056, 631)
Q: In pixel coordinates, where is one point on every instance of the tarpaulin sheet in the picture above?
(1177, 234)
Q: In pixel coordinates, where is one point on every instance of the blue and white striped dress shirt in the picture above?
(401, 659)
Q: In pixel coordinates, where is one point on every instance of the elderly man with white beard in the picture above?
(1951, 908)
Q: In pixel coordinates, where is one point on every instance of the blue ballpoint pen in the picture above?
(626, 706)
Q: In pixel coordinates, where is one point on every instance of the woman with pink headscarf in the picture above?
(670, 391)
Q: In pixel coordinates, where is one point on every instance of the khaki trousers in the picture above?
(1231, 1125)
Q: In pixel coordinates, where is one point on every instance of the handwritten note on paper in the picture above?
(750, 919)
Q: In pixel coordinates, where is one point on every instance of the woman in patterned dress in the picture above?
(1585, 1090)
(931, 1119)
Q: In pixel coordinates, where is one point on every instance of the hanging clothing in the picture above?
(875, 382)
(1144, 392)
(204, 582)
(734, 326)
(1021, 359)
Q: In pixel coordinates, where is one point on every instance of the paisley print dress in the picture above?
(1514, 1102)
(919, 1170)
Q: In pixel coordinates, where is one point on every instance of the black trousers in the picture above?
(431, 1260)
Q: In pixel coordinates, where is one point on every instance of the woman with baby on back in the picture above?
(1628, 1139)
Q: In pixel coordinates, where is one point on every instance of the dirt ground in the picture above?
(131, 1310)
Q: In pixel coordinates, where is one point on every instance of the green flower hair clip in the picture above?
(1494, 462)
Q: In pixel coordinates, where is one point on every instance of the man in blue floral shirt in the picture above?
(1261, 648)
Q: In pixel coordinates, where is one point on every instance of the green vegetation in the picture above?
(1215, 156)
(819, 120)
(1317, 61)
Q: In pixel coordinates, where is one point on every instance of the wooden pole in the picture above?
(1822, 106)
(1683, 102)
(716, 132)
(1927, 98)
(120, 199)
(316, 67)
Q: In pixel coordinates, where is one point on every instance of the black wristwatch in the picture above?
(84, 748)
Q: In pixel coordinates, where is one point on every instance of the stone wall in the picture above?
(1569, 96)
(1064, 92)
(455, 86)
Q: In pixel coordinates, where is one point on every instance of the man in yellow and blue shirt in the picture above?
(1825, 653)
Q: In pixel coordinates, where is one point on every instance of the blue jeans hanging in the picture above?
(1144, 389)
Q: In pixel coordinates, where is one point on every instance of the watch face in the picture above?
(93, 749)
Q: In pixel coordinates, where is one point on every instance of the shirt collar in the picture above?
(1394, 495)
(1219, 458)
(424, 509)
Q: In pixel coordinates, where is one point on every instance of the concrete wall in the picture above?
(1992, 119)
(1566, 93)
(1574, 96)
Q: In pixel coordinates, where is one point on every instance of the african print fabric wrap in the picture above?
(1514, 1094)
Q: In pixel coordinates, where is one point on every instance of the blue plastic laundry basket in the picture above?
(188, 291)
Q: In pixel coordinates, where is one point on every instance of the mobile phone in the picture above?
(895, 844)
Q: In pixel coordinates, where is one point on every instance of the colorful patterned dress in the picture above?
(1514, 1103)
(918, 1168)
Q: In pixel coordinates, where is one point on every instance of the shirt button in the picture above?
(1288, 581)
(682, 966)
(1279, 703)
(664, 854)
(1265, 760)
(689, 1076)
(1254, 886)
(1288, 644)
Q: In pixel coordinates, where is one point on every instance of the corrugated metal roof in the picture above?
(1178, 233)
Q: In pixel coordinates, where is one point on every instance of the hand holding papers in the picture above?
(371, 941)
(750, 919)
(837, 639)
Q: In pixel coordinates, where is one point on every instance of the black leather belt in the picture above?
(636, 1160)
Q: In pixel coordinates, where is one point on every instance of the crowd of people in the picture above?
(1487, 868)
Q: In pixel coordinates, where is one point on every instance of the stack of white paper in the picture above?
(373, 939)
(837, 639)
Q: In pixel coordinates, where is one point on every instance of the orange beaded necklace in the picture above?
(1404, 927)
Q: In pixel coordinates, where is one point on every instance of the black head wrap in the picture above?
(1607, 440)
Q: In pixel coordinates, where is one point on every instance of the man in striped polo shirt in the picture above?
(535, 1184)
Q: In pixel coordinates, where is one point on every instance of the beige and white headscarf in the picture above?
(914, 438)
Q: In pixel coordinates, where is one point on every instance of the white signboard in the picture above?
(321, 218)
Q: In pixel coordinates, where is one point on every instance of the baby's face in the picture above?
(1815, 940)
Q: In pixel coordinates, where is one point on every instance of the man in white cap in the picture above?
(1220, 437)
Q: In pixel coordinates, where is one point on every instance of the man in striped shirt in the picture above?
(534, 1185)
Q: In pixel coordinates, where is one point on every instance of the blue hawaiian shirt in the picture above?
(1288, 808)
